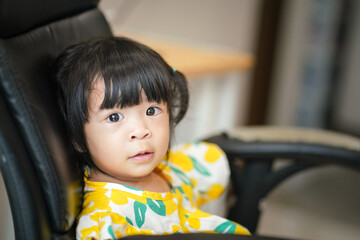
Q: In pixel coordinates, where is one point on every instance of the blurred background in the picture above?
(256, 62)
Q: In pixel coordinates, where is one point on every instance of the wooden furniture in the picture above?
(195, 60)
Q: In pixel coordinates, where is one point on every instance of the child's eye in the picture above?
(152, 111)
(115, 117)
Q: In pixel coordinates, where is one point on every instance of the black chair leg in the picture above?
(248, 183)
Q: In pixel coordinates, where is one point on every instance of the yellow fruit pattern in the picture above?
(198, 173)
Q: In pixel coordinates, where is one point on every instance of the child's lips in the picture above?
(144, 156)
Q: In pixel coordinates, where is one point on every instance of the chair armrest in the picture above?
(317, 146)
(252, 150)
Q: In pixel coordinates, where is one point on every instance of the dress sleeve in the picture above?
(208, 169)
(101, 225)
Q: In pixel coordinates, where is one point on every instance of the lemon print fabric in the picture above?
(199, 175)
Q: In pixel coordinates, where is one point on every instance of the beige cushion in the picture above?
(294, 135)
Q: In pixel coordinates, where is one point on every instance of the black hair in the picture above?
(126, 67)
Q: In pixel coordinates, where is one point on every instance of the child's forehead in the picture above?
(96, 94)
(97, 91)
(98, 85)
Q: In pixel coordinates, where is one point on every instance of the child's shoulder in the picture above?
(210, 152)
(205, 166)
(198, 158)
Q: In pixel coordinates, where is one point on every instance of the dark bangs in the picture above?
(129, 67)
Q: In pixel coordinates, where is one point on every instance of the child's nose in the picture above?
(139, 132)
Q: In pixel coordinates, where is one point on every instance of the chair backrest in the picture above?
(37, 164)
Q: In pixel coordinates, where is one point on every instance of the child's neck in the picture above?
(153, 182)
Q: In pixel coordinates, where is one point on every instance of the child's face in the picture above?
(125, 143)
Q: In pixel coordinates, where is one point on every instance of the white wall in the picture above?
(228, 24)
(217, 103)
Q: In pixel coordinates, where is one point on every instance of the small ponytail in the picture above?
(180, 96)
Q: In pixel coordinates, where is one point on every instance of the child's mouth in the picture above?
(141, 154)
(142, 157)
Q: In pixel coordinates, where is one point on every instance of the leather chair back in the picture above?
(33, 140)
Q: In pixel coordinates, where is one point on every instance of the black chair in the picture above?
(42, 184)
(36, 159)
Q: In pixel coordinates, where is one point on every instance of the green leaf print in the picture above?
(182, 191)
(226, 227)
(157, 206)
(111, 232)
(129, 221)
(182, 176)
(199, 167)
(139, 210)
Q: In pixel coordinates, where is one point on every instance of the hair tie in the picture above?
(174, 69)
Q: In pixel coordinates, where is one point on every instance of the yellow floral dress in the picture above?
(198, 173)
